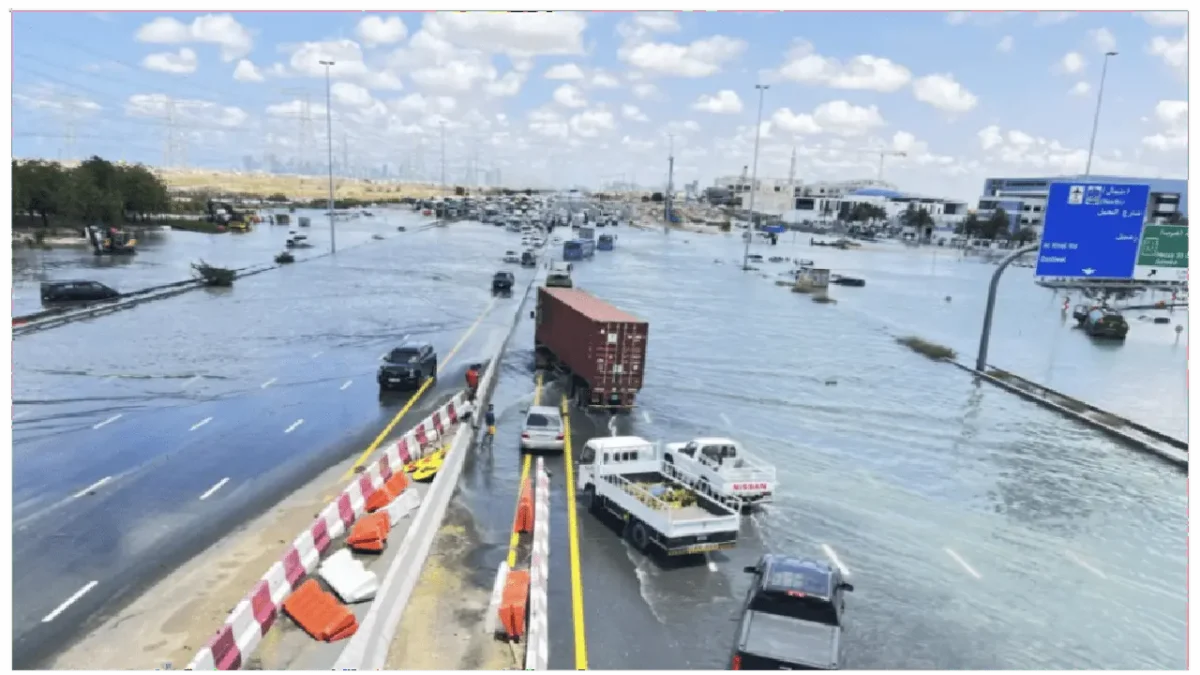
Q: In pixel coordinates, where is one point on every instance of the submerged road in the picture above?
(143, 437)
(981, 531)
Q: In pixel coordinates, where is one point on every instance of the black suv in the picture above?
(77, 291)
(407, 367)
(502, 282)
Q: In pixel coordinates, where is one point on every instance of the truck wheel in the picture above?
(589, 498)
(638, 535)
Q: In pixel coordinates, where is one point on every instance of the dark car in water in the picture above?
(77, 291)
(792, 616)
(407, 367)
(502, 282)
(1105, 323)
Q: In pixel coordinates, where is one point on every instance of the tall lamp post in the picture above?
(329, 140)
(1087, 171)
(442, 124)
(762, 90)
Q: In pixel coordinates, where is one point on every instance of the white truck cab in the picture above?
(724, 470)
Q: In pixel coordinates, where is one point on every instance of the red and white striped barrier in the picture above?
(250, 620)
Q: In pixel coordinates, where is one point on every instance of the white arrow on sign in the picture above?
(1088, 271)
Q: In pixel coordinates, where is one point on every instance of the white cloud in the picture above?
(632, 112)
(1080, 89)
(247, 72)
(515, 34)
(1071, 63)
(52, 98)
(645, 24)
(1005, 44)
(603, 80)
(591, 123)
(548, 123)
(835, 117)
(508, 85)
(700, 58)
(1174, 54)
(351, 95)
(1165, 18)
(185, 110)
(295, 109)
(989, 137)
(1052, 18)
(645, 90)
(944, 93)
(569, 96)
(564, 71)
(726, 102)
(182, 63)
(376, 30)
(864, 71)
(1104, 40)
(985, 18)
(1172, 116)
(234, 40)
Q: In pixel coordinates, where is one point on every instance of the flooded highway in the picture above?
(166, 256)
(980, 530)
(140, 438)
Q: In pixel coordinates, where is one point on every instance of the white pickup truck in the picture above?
(723, 470)
(624, 477)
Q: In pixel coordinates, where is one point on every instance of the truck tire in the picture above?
(589, 498)
(638, 536)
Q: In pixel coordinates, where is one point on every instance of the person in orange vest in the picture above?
(472, 382)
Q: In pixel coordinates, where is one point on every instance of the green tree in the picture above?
(1025, 235)
(969, 227)
(995, 225)
(142, 193)
(916, 218)
(278, 197)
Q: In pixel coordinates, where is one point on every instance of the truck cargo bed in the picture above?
(603, 348)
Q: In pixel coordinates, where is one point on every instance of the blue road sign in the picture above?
(1092, 230)
(775, 229)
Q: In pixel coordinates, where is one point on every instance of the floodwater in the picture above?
(166, 256)
(980, 530)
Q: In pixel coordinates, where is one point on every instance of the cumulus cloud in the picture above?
(569, 97)
(835, 117)
(515, 34)
(234, 40)
(247, 72)
(1053, 18)
(1174, 53)
(700, 58)
(632, 112)
(564, 71)
(603, 80)
(182, 63)
(1005, 44)
(865, 71)
(378, 30)
(645, 90)
(1080, 89)
(725, 102)
(1103, 39)
(185, 110)
(1172, 117)
(1165, 18)
(944, 93)
(1071, 63)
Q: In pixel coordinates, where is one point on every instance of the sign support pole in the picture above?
(986, 335)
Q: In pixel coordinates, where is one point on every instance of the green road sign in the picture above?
(1163, 252)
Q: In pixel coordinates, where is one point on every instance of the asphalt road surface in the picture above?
(980, 530)
(140, 438)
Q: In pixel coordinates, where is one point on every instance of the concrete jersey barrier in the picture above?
(250, 620)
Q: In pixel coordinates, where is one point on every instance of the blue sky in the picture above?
(964, 95)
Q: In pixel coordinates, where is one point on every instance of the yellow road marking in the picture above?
(581, 660)
(515, 538)
(366, 454)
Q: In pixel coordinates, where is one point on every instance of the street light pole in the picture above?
(329, 139)
(1087, 171)
(762, 89)
(443, 126)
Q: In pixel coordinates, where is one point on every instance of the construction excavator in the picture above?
(223, 213)
(110, 240)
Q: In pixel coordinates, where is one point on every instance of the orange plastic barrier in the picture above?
(513, 603)
(319, 613)
(524, 521)
(369, 533)
(391, 489)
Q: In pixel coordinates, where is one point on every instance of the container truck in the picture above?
(602, 348)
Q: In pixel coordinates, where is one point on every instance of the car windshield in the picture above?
(540, 421)
(404, 355)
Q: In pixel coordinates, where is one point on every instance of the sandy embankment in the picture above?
(442, 626)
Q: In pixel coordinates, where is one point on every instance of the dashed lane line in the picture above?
(91, 487)
(268, 383)
(1086, 565)
(833, 558)
(294, 425)
(965, 565)
(201, 423)
(646, 416)
(69, 601)
(17, 416)
(208, 493)
(107, 422)
(345, 385)
(725, 418)
(316, 354)
(190, 382)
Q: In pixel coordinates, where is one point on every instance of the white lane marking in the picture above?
(345, 386)
(404, 338)
(646, 416)
(91, 487)
(17, 416)
(1086, 565)
(712, 566)
(268, 383)
(316, 354)
(108, 421)
(612, 426)
(965, 565)
(110, 378)
(726, 419)
(201, 423)
(833, 557)
(214, 488)
(190, 381)
(70, 601)
(293, 427)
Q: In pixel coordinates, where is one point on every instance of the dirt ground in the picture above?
(442, 627)
(308, 187)
(168, 623)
